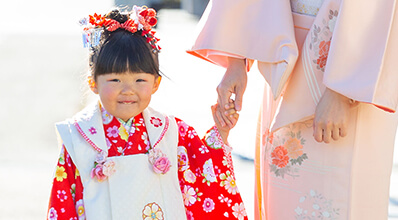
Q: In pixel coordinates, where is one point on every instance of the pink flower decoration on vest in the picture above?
(160, 163)
(103, 168)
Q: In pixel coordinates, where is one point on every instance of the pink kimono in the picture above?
(348, 46)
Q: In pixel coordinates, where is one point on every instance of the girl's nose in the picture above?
(128, 89)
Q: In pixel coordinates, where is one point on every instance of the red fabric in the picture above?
(203, 199)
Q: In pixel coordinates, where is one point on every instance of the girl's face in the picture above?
(125, 95)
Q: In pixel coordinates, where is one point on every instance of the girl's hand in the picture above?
(233, 82)
(229, 113)
(331, 116)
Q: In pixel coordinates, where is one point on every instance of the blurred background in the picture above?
(42, 81)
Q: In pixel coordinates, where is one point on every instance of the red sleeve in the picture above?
(66, 199)
(206, 177)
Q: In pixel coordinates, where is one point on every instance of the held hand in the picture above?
(231, 114)
(233, 82)
(331, 117)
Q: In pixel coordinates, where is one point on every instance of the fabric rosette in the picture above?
(103, 167)
(159, 161)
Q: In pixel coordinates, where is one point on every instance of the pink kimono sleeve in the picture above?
(363, 54)
(241, 28)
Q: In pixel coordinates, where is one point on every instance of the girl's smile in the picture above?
(125, 95)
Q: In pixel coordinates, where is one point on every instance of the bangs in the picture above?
(125, 52)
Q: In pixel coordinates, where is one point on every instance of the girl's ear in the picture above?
(92, 84)
(156, 84)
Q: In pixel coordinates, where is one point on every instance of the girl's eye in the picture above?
(141, 80)
(114, 80)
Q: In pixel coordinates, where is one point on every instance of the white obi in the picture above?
(134, 191)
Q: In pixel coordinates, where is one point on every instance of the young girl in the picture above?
(120, 159)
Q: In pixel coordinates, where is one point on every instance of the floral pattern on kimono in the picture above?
(321, 37)
(314, 205)
(286, 150)
(205, 172)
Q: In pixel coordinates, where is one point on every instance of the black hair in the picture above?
(121, 51)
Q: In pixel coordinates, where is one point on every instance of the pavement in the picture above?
(43, 65)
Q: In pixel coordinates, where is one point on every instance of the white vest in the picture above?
(134, 185)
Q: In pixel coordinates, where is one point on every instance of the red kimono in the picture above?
(202, 199)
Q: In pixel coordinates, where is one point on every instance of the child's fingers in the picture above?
(234, 119)
(217, 116)
(235, 115)
(230, 112)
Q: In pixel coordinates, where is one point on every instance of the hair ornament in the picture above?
(140, 19)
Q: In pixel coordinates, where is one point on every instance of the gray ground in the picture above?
(42, 66)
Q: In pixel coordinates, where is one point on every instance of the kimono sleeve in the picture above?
(259, 30)
(206, 177)
(362, 57)
(66, 198)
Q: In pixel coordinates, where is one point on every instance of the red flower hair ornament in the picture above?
(141, 19)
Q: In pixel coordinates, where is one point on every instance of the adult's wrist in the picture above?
(236, 62)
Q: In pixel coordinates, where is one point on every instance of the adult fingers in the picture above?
(240, 90)
(327, 135)
(318, 133)
(229, 105)
(223, 99)
(343, 130)
(335, 133)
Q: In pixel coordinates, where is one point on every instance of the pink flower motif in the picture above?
(103, 168)
(160, 162)
(208, 205)
(239, 211)
(52, 214)
(108, 168)
(189, 176)
(161, 165)
(112, 131)
(154, 154)
(189, 215)
(61, 195)
(182, 128)
(92, 130)
(156, 122)
(101, 157)
(97, 171)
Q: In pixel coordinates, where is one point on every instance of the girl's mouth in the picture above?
(126, 102)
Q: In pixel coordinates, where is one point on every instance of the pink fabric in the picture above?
(368, 42)
(349, 47)
(233, 26)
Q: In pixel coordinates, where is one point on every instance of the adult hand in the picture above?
(233, 82)
(331, 116)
